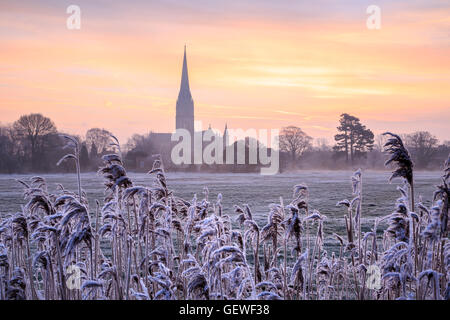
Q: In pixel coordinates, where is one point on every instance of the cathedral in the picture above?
(184, 118)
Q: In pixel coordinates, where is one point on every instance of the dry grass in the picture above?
(147, 243)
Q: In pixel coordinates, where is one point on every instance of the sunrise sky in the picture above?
(253, 64)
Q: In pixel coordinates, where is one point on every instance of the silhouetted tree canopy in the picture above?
(294, 141)
(100, 138)
(354, 140)
(34, 128)
(422, 146)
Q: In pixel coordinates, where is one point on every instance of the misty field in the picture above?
(326, 189)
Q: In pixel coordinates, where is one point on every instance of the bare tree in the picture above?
(98, 137)
(34, 127)
(422, 145)
(294, 141)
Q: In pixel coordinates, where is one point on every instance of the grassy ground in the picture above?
(326, 189)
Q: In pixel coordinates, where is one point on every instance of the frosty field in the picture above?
(326, 189)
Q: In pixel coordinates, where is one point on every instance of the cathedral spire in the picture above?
(185, 104)
(185, 91)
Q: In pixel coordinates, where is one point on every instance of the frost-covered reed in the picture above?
(146, 243)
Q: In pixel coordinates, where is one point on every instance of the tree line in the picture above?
(33, 144)
(355, 146)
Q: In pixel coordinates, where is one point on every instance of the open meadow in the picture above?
(326, 189)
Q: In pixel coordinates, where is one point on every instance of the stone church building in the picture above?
(184, 119)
